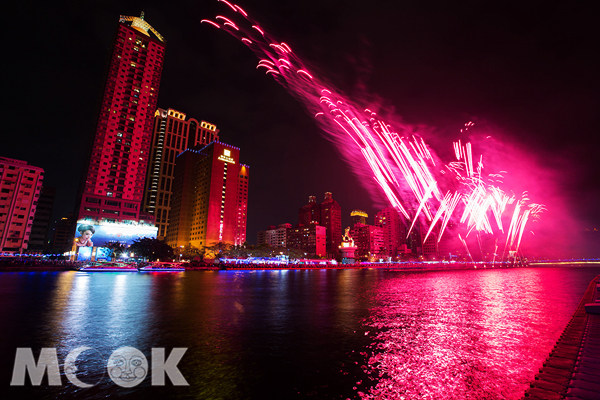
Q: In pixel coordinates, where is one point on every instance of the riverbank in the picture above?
(56, 266)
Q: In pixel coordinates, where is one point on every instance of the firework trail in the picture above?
(399, 162)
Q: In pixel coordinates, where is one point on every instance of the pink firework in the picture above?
(396, 160)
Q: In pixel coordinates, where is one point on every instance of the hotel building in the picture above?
(210, 197)
(113, 185)
(20, 186)
(171, 135)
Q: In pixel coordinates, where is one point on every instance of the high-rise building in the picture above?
(113, 186)
(430, 246)
(331, 219)
(394, 231)
(310, 213)
(210, 197)
(62, 237)
(171, 135)
(369, 241)
(38, 240)
(20, 186)
(358, 217)
(327, 214)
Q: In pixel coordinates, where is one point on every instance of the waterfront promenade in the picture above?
(572, 370)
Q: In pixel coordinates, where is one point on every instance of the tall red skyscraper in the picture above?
(118, 158)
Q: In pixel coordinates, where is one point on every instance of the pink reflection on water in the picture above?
(451, 336)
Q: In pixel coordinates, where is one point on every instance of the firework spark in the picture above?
(397, 160)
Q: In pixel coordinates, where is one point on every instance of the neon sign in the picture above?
(226, 157)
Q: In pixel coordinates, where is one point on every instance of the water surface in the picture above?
(322, 334)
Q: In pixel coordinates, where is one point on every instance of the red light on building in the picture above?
(113, 185)
(394, 232)
(210, 197)
(20, 186)
(310, 239)
(327, 214)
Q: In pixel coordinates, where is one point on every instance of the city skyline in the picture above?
(528, 95)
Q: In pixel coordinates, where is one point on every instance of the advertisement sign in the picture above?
(103, 254)
(84, 254)
(91, 235)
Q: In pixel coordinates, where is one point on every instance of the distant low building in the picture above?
(310, 239)
(369, 242)
(278, 237)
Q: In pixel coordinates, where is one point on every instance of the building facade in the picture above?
(171, 135)
(394, 232)
(327, 214)
(310, 239)
(62, 235)
(310, 213)
(115, 175)
(38, 240)
(368, 240)
(20, 186)
(210, 197)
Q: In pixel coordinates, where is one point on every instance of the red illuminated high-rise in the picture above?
(114, 179)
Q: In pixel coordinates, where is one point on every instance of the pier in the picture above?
(572, 370)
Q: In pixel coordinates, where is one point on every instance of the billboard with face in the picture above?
(91, 235)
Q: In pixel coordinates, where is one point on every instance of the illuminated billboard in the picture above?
(89, 234)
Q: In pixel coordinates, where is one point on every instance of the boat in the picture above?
(108, 267)
(163, 266)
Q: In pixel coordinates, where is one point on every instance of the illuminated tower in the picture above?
(358, 217)
(115, 174)
(172, 134)
(210, 197)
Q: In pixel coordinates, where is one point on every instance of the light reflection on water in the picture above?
(464, 335)
(323, 334)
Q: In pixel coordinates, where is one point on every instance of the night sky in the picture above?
(526, 73)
